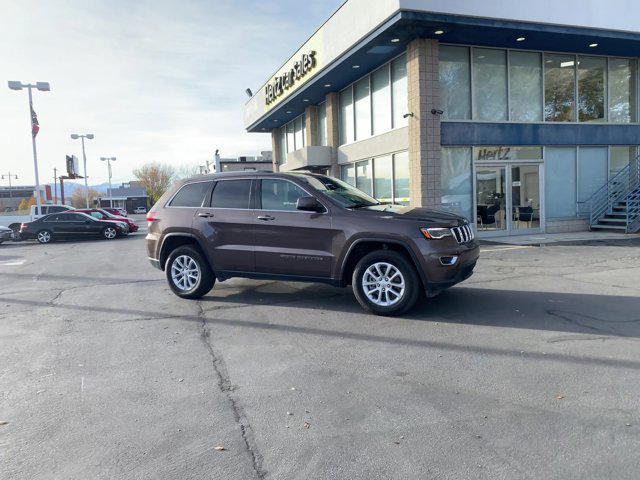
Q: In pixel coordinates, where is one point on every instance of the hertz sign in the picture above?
(283, 82)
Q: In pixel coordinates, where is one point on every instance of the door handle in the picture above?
(205, 215)
(266, 218)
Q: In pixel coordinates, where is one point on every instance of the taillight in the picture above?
(151, 217)
(23, 226)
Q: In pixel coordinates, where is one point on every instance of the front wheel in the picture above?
(44, 236)
(386, 283)
(109, 233)
(188, 273)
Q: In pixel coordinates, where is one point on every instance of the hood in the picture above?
(431, 218)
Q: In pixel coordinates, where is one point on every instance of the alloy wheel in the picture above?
(110, 232)
(383, 284)
(185, 273)
(44, 237)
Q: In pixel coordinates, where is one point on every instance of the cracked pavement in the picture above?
(529, 369)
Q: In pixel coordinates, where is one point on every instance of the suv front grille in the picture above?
(463, 234)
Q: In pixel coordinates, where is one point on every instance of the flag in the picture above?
(35, 126)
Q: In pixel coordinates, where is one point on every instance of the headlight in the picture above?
(435, 233)
(122, 225)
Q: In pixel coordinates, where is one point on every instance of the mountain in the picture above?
(70, 187)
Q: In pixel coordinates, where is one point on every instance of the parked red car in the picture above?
(103, 214)
(118, 212)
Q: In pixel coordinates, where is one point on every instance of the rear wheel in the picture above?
(188, 273)
(44, 236)
(109, 233)
(385, 283)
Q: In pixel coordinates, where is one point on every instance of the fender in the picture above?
(395, 241)
(198, 240)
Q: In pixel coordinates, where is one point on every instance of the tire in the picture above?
(44, 236)
(109, 233)
(376, 297)
(185, 286)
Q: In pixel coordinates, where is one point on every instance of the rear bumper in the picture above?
(155, 262)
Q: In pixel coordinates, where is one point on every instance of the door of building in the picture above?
(508, 198)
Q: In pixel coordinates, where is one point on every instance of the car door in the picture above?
(290, 241)
(73, 224)
(225, 221)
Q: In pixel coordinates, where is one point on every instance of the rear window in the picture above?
(190, 195)
(231, 194)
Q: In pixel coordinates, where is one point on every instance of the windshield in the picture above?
(108, 214)
(343, 193)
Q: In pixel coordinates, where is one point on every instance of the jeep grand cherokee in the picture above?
(305, 227)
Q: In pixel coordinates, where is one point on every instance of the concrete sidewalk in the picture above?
(575, 238)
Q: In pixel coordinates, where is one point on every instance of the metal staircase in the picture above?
(616, 205)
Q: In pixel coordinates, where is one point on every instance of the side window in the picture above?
(51, 218)
(190, 195)
(70, 217)
(280, 195)
(231, 194)
(97, 215)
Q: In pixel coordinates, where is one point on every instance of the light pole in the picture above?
(109, 160)
(9, 176)
(88, 136)
(35, 127)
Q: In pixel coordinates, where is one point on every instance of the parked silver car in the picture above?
(5, 234)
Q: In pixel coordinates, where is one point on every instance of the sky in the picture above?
(152, 80)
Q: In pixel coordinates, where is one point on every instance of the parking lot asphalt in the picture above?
(530, 369)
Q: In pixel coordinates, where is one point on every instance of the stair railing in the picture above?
(603, 199)
(633, 197)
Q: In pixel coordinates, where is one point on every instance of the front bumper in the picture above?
(439, 274)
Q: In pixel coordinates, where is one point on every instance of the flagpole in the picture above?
(35, 153)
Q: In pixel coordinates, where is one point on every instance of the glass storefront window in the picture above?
(525, 86)
(382, 178)
(619, 157)
(591, 88)
(363, 176)
(298, 124)
(490, 84)
(456, 186)
(362, 108)
(401, 178)
(399, 89)
(282, 146)
(622, 90)
(559, 88)
(346, 116)
(348, 174)
(381, 100)
(592, 171)
(455, 82)
(322, 124)
(560, 181)
(291, 144)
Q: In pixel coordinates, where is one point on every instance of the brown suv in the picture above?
(305, 227)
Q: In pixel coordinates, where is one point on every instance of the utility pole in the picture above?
(109, 160)
(9, 176)
(55, 185)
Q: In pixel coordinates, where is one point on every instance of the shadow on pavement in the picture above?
(557, 312)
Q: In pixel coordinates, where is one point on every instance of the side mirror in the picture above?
(309, 204)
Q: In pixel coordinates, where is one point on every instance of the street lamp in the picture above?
(88, 136)
(9, 175)
(35, 127)
(109, 160)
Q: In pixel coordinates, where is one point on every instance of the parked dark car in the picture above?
(5, 234)
(102, 214)
(306, 227)
(70, 225)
